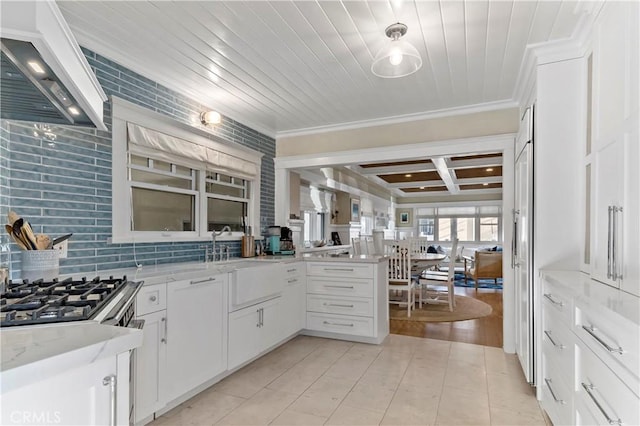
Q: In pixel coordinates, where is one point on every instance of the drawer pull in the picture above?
(337, 323)
(292, 280)
(338, 305)
(553, 394)
(203, 281)
(559, 346)
(555, 302)
(153, 298)
(592, 331)
(339, 286)
(588, 389)
(291, 270)
(339, 269)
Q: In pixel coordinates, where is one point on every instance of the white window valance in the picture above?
(166, 147)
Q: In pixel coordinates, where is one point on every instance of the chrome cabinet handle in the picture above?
(113, 400)
(258, 312)
(291, 270)
(553, 394)
(339, 269)
(338, 305)
(261, 317)
(337, 323)
(557, 345)
(294, 280)
(592, 331)
(163, 339)
(614, 245)
(549, 296)
(338, 286)
(153, 298)
(202, 281)
(588, 388)
(514, 252)
(609, 248)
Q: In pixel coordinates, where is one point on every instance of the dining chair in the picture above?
(369, 246)
(419, 244)
(400, 282)
(486, 264)
(437, 287)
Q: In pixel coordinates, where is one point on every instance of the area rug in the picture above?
(482, 283)
(466, 308)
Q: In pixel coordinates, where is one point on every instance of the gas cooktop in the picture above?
(41, 302)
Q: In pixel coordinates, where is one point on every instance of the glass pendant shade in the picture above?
(397, 58)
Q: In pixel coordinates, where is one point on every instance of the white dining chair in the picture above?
(401, 284)
(438, 287)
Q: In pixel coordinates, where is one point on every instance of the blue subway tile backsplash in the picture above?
(64, 186)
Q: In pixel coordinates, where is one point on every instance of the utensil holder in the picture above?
(248, 246)
(38, 264)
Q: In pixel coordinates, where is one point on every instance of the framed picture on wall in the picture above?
(355, 210)
(404, 217)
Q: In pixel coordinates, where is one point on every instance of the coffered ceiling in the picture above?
(283, 66)
(460, 175)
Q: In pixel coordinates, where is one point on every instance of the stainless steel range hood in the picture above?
(44, 76)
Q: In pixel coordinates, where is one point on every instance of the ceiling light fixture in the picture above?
(210, 117)
(489, 169)
(407, 175)
(398, 58)
(36, 67)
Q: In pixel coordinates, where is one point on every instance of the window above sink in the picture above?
(172, 182)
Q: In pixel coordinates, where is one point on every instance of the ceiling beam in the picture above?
(476, 162)
(411, 184)
(388, 170)
(447, 175)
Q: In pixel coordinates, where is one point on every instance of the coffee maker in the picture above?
(273, 240)
(286, 241)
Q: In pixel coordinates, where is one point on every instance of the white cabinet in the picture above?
(347, 301)
(252, 330)
(151, 357)
(80, 396)
(196, 333)
(590, 351)
(616, 110)
(293, 298)
(184, 340)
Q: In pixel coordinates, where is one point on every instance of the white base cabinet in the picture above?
(252, 330)
(347, 301)
(150, 369)
(293, 298)
(590, 351)
(76, 397)
(196, 333)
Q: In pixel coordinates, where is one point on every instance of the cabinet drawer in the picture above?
(612, 339)
(354, 287)
(344, 324)
(293, 269)
(557, 395)
(555, 299)
(344, 270)
(340, 305)
(601, 393)
(151, 298)
(558, 343)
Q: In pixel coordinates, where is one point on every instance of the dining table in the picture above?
(423, 261)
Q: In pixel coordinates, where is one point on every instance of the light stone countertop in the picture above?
(597, 295)
(31, 353)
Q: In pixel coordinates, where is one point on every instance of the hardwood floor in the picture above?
(485, 331)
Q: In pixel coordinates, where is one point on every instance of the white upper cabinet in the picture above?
(615, 245)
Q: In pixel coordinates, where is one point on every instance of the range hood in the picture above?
(44, 76)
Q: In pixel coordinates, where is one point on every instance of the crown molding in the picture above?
(447, 112)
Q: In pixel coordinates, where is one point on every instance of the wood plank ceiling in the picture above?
(283, 66)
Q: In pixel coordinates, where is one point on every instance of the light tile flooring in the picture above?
(404, 381)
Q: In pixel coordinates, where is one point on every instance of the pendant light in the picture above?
(398, 58)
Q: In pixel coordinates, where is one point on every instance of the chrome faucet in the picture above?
(215, 234)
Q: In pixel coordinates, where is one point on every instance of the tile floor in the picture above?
(404, 381)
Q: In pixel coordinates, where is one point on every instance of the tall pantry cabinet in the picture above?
(613, 149)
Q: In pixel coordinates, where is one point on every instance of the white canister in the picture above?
(38, 264)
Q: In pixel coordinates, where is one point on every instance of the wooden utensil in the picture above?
(29, 235)
(43, 242)
(18, 241)
(12, 216)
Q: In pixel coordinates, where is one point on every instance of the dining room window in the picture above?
(478, 224)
